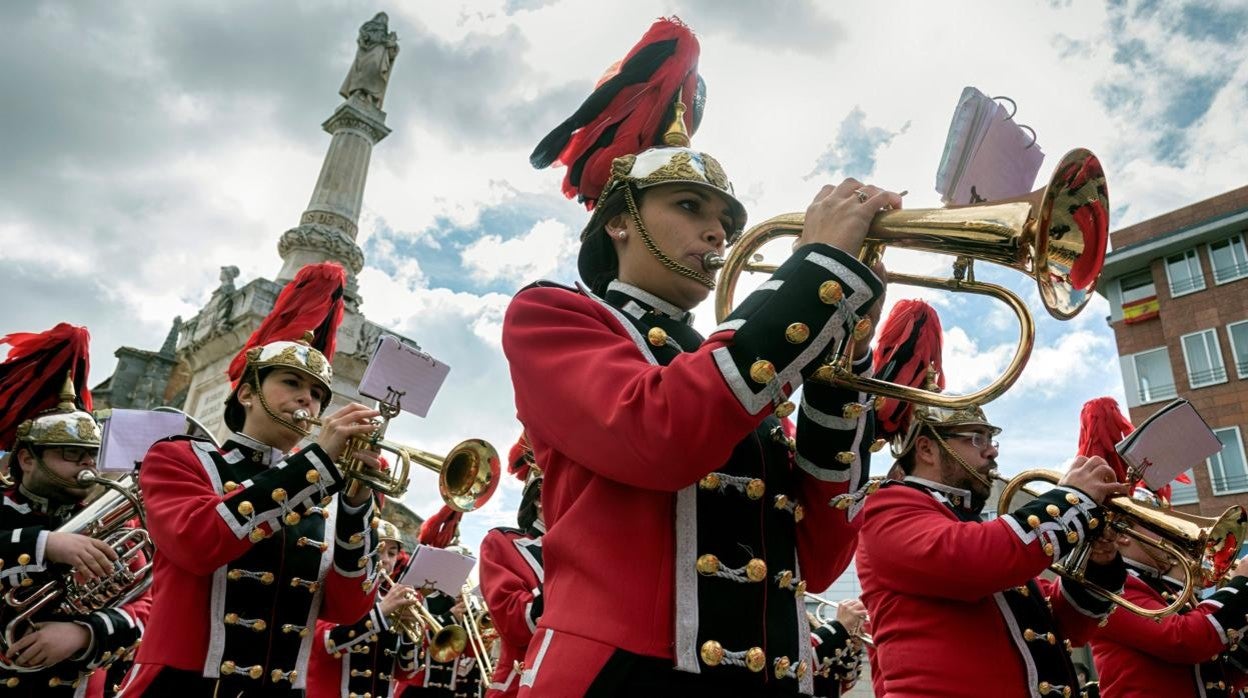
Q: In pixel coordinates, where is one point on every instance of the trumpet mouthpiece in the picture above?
(87, 477)
(302, 415)
(712, 261)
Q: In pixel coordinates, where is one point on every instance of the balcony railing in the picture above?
(1217, 374)
(1230, 271)
(1231, 482)
(1180, 286)
(1157, 392)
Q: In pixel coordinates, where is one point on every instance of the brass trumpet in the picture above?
(1038, 234)
(817, 618)
(1205, 547)
(481, 632)
(448, 641)
(467, 476)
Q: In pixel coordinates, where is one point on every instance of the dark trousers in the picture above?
(626, 675)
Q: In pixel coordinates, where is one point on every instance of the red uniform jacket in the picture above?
(201, 525)
(626, 437)
(358, 658)
(511, 582)
(937, 586)
(1136, 656)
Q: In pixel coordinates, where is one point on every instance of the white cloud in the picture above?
(533, 255)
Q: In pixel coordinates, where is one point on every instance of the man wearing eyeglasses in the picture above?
(955, 605)
(52, 438)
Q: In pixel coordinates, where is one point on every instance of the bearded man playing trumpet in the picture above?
(955, 604)
(47, 426)
(255, 542)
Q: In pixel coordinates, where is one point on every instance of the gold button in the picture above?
(356, 538)
(266, 578)
(291, 518)
(657, 336)
(23, 559)
(234, 575)
(785, 408)
(1072, 537)
(230, 486)
(785, 578)
(54, 682)
(11, 681)
(781, 667)
(1033, 521)
(756, 570)
(710, 481)
(1048, 549)
(1023, 590)
(782, 501)
(256, 535)
(1029, 635)
(862, 328)
(846, 457)
(256, 671)
(259, 626)
(245, 508)
(1072, 498)
(279, 495)
(312, 476)
(873, 487)
(275, 675)
(1053, 510)
(708, 564)
(1045, 687)
(800, 590)
(762, 371)
(228, 667)
(830, 292)
(755, 660)
(231, 619)
(845, 503)
(878, 445)
(755, 488)
(712, 653)
(878, 402)
(1094, 522)
(823, 374)
(852, 410)
(797, 333)
(800, 672)
(799, 512)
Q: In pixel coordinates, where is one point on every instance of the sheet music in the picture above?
(987, 156)
(441, 569)
(1169, 442)
(398, 369)
(128, 434)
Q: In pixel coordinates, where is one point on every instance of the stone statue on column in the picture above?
(377, 48)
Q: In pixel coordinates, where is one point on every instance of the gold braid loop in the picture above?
(666, 261)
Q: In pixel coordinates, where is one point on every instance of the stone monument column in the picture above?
(328, 227)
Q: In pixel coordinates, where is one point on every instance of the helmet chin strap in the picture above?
(255, 372)
(958, 459)
(62, 482)
(687, 272)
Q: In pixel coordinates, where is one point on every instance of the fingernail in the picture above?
(903, 192)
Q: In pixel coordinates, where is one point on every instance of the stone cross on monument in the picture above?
(328, 227)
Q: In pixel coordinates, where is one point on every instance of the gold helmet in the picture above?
(66, 425)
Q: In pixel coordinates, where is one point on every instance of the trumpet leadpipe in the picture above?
(302, 415)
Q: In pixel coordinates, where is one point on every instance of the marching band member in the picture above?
(255, 542)
(365, 657)
(649, 433)
(1178, 655)
(511, 575)
(838, 649)
(53, 437)
(955, 605)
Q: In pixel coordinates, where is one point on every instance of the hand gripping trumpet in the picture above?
(467, 476)
(1205, 547)
(1057, 235)
(817, 618)
(447, 642)
(108, 519)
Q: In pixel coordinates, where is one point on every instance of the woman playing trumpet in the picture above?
(255, 543)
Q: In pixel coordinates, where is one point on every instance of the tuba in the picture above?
(1205, 547)
(108, 519)
(467, 476)
(1057, 234)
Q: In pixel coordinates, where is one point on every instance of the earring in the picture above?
(621, 234)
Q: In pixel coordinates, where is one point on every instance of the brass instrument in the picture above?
(1034, 234)
(467, 476)
(447, 643)
(817, 618)
(481, 632)
(107, 519)
(1205, 547)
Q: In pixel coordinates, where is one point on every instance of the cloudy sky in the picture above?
(145, 145)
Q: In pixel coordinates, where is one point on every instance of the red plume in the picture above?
(627, 111)
(520, 458)
(1101, 427)
(311, 302)
(909, 342)
(33, 374)
(439, 530)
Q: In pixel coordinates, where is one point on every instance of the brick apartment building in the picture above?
(1177, 287)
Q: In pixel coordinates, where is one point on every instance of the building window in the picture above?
(1154, 380)
(1229, 259)
(1227, 473)
(1137, 285)
(1185, 274)
(1181, 493)
(1238, 332)
(1204, 359)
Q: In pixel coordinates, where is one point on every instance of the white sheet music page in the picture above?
(397, 369)
(1169, 442)
(128, 434)
(441, 569)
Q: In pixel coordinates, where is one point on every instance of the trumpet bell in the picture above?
(469, 475)
(1071, 234)
(1224, 538)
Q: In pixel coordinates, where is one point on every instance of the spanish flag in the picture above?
(1141, 310)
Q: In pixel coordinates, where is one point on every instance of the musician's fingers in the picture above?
(102, 547)
(95, 565)
(22, 644)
